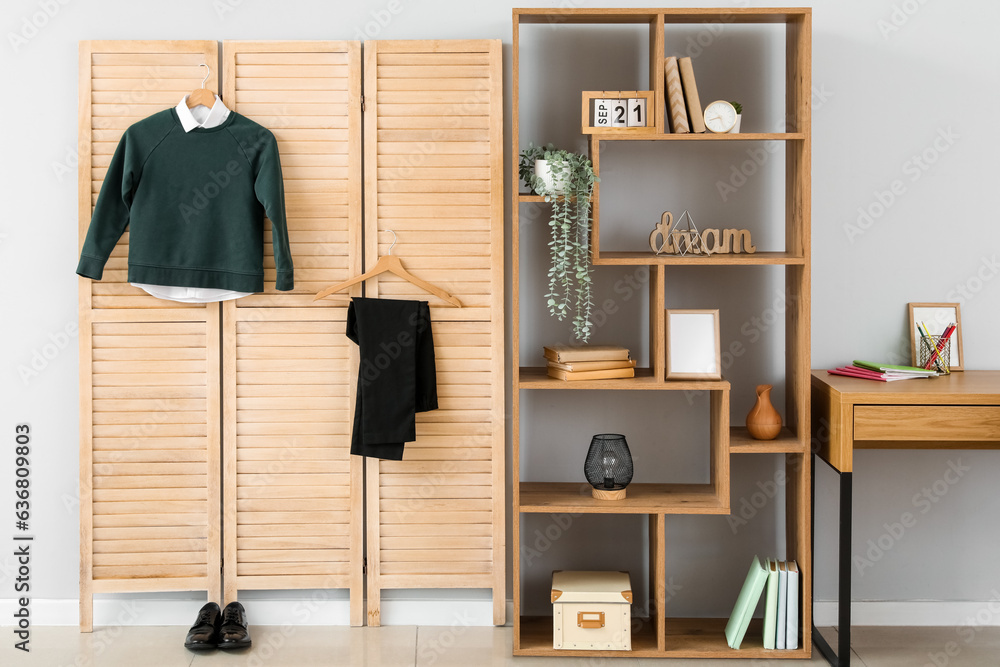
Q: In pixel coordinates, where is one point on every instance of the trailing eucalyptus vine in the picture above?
(570, 279)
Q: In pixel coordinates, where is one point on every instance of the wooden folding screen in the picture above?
(434, 176)
(293, 498)
(292, 507)
(149, 369)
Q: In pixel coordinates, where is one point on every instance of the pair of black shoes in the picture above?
(215, 628)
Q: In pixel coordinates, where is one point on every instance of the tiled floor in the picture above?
(304, 646)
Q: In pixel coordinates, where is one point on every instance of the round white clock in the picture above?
(720, 116)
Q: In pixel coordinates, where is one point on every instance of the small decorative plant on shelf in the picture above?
(567, 180)
(739, 117)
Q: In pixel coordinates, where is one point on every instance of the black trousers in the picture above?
(397, 377)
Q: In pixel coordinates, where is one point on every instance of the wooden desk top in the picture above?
(851, 413)
(960, 387)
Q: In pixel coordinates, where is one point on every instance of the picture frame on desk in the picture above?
(937, 317)
(694, 350)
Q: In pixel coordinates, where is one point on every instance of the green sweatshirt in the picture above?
(194, 203)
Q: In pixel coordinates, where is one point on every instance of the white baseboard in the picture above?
(297, 611)
(945, 613)
(447, 612)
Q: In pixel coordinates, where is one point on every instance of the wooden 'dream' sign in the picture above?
(665, 240)
(614, 111)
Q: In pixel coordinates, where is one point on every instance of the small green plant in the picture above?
(570, 279)
(738, 107)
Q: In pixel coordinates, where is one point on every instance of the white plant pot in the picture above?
(544, 171)
(736, 128)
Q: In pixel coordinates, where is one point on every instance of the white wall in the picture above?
(883, 99)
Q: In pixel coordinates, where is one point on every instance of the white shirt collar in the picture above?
(215, 116)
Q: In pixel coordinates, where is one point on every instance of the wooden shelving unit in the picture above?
(661, 636)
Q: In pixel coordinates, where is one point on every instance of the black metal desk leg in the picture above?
(844, 603)
(842, 658)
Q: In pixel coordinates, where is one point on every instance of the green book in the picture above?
(771, 604)
(739, 620)
(898, 369)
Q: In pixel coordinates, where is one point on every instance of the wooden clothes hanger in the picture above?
(202, 96)
(390, 263)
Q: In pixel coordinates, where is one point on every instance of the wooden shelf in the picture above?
(575, 497)
(701, 136)
(740, 442)
(556, 16)
(532, 377)
(671, 15)
(536, 639)
(525, 197)
(647, 258)
(685, 638)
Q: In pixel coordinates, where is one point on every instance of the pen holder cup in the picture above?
(926, 351)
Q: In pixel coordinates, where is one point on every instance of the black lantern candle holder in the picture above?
(608, 466)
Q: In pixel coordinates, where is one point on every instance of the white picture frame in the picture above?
(694, 349)
(937, 316)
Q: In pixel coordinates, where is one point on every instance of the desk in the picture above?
(957, 411)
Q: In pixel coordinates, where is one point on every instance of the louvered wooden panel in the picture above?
(292, 491)
(433, 161)
(433, 167)
(446, 478)
(309, 95)
(293, 494)
(149, 369)
(122, 82)
(149, 475)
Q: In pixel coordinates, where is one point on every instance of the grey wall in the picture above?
(908, 97)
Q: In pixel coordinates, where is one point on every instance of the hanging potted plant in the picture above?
(567, 180)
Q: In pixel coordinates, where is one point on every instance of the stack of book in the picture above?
(781, 604)
(866, 370)
(683, 102)
(590, 362)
